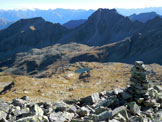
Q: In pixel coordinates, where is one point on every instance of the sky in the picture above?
(78, 4)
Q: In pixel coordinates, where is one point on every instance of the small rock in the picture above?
(159, 97)
(117, 91)
(153, 93)
(139, 100)
(6, 86)
(120, 118)
(38, 110)
(61, 116)
(90, 108)
(11, 118)
(151, 103)
(136, 119)
(121, 110)
(103, 93)
(106, 103)
(134, 108)
(30, 119)
(126, 95)
(4, 107)
(16, 111)
(72, 109)
(3, 120)
(114, 120)
(60, 107)
(94, 98)
(102, 116)
(25, 98)
(158, 116)
(71, 89)
(149, 112)
(83, 111)
(158, 88)
(72, 101)
(3, 115)
(45, 119)
(25, 112)
(81, 120)
(84, 75)
(101, 109)
(19, 102)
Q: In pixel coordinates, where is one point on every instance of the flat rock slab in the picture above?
(4, 86)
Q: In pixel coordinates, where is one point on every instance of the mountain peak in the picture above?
(36, 19)
(105, 14)
(25, 23)
(106, 11)
(105, 26)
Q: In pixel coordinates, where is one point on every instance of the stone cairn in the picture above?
(140, 87)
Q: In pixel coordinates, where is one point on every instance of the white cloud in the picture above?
(82, 4)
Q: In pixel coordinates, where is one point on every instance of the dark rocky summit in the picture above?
(139, 102)
(145, 46)
(29, 33)
(104, 26)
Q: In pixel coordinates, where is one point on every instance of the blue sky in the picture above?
(78, 4)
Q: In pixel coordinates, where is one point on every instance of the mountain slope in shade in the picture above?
(29, 33)
(74, 23)
(37, 61)
(145, 46)
(143, 17)
(102, 27)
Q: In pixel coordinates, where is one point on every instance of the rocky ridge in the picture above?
(27, 34)
(120, 105)
(142, 46)
(143, 17)
(104, 26)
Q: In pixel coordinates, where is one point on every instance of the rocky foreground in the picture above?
(139, 102)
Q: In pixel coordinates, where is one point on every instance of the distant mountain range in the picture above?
(108, 36)
(143, 17)
(128, 12)
(52, 15)
(4, 23)
(64, 15)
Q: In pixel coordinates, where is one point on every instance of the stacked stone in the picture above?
(139, 81)
(141, 89)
